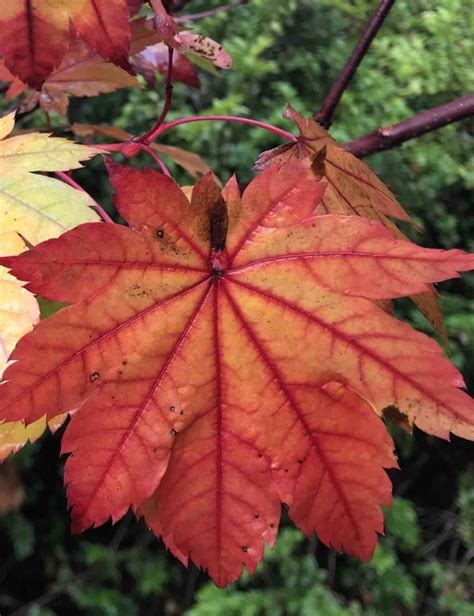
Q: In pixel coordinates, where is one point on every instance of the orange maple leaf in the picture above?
(353, 189)
(225, 354)
(35, 34)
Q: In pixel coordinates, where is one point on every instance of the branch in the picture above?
(324, 116)
(390, 137)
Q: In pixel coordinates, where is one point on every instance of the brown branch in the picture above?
(391, 136)
(324, 116)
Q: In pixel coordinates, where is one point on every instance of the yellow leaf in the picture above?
(35, 206)
(38, 208)
(6, 125)
(14, 435)
(40, 152)
(19, 309)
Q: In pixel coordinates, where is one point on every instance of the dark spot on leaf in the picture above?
(218, 222)
(93, 376)
(397, 417)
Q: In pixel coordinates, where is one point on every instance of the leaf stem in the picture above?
(68, 180)
(324, 116)
(389, 137)
(223, 118)
(121, 147)
(146, 148)
(148, 136)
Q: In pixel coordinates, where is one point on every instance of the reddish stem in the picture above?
(148, 136)
(223, 118)
(391, 136)
(156, 158)
(324, 116)
(68, 180)
(113, 147)
(120, 147)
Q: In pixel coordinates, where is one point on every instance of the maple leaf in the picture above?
(225, 355)
(103, 25)
(36, 206)
(19, 311)
(82, 73)
(35, 34)
(352, 186)
(353, 189)
(203, 47)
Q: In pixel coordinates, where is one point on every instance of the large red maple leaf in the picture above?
(225, 355)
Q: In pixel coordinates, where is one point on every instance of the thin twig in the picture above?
(68, 180)
(392, 136)
(324, 116)
(147, 137)
(219, 9)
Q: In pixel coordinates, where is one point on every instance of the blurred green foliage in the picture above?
(290, 52)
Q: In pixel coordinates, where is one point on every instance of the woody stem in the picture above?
(389, 137)
(324, 116)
